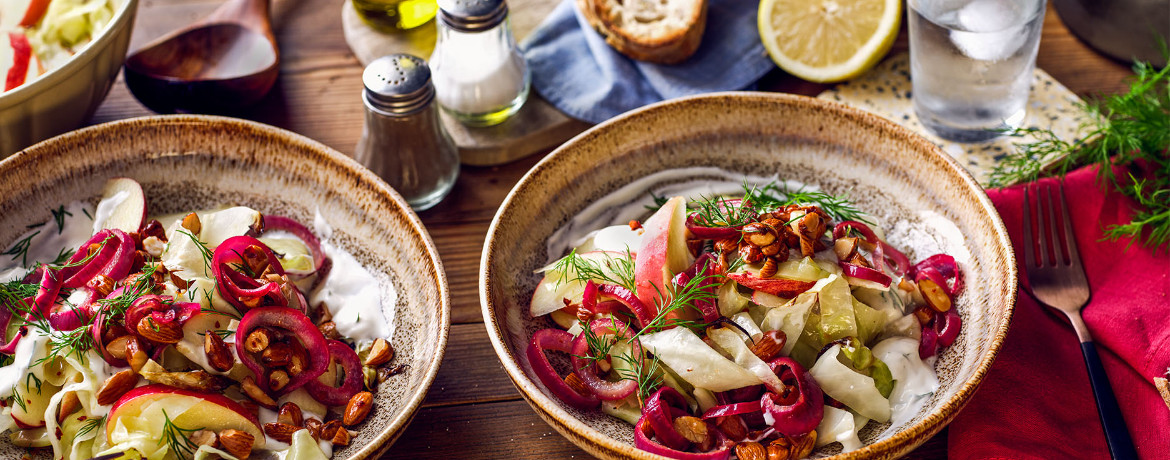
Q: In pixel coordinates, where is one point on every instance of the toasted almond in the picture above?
(257, 340)
(278, 379)
(191, 223)
(135, 354)
(1163, 387)
(358, 408)
(69, 404)
(116, 386)
(103, 284)
(253, 391)
(117, 347)
(330, 429)
(276, 355)
(732, 426)
(160, 332)
(692, 428)
(280, 431)
(236, 442)
(314, 427)
(380, 353)
(198, 380)
(329, 330)
(341, 437)
(750, 451)
(769, 345)
(218, 355)
(290, 414)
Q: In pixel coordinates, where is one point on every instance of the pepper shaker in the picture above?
(403, 140)
(480, 76)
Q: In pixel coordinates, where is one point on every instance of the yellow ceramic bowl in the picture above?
(67, 96)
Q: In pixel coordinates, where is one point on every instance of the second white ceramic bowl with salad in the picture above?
(920, 199)
(72, 87)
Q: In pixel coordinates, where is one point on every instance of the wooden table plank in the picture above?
(472, 410)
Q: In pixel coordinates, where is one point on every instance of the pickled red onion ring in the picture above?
(586, 369)
(556, 340)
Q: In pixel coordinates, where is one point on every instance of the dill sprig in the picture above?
(59, 217)
(178, 438)
(647, 373)
(599, 347)
(20, 249)
(90, 425)
(609, 269)
(203, 249)
(773, 196)
(1130, 130)
(696, 289)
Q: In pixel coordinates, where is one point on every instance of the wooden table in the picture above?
(472, 410)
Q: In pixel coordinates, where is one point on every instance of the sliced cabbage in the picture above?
(623, 410)
(855, 390)
(303, 447)
(729, 300)
(705, 398)
(294, 256)
(790, 319)
(744, 320)
(805, 269)
(694, 361)
(914, 381)
(861, 359)
(732, 343)
(836, 303)
(839, 425)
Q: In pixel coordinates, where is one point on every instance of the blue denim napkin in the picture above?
(578, 73)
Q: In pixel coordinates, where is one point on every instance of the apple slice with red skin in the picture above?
(129, 205)
(212, 411)
(663, 253)
(18, 64)
(22, 13)
(780, 287)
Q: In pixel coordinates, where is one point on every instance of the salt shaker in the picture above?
(480, 76)
(403, 140)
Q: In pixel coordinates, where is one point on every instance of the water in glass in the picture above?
(971, 62)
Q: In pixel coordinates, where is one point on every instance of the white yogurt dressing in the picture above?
(352, 294)
(914, 380)
(47, 240)
(106, 208)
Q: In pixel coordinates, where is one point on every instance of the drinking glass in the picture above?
(971, 64)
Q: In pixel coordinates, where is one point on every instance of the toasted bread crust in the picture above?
(672, 47)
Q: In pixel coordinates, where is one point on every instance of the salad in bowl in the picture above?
(765, 323)
(217, 333)
(37, 36)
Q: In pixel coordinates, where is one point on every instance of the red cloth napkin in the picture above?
(1036, 402)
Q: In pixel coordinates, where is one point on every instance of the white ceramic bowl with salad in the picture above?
(191, 287)
(747, 275)
(70, 51)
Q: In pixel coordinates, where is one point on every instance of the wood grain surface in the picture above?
(473, 411)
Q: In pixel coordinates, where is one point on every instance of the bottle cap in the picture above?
(398, 84)
(472, 15)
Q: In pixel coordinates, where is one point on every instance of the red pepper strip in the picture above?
(643, 431)
(300, 231)
(300, 327)
(586, 369)
(710, 233)
(702, 268)
(556, 340)
(596, 292)
(658, 412)
(733, 409)
(883, 252)
(801, 409)
(945, 265)
(235, 286)
(351, 365)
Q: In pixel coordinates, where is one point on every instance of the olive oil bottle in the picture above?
(396, 15)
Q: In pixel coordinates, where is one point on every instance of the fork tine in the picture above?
(1057, 255)
(1043, 235)
(1070, 245)
(1029, 258)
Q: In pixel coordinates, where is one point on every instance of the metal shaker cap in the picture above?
(472, 15)
(398, 84)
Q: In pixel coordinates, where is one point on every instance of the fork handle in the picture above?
(1116, 434)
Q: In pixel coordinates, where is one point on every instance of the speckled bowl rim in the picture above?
(897, 444)
(43, 151)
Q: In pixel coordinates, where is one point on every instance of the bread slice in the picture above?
(660, 31)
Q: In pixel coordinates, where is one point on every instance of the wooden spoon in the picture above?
(226, 61)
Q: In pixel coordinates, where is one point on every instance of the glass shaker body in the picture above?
(480, 76)
(403, 141)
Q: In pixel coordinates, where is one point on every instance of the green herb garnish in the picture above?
(177, 438)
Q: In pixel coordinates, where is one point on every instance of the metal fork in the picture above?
(1058, 281)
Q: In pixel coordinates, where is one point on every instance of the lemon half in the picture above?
(828, 41)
